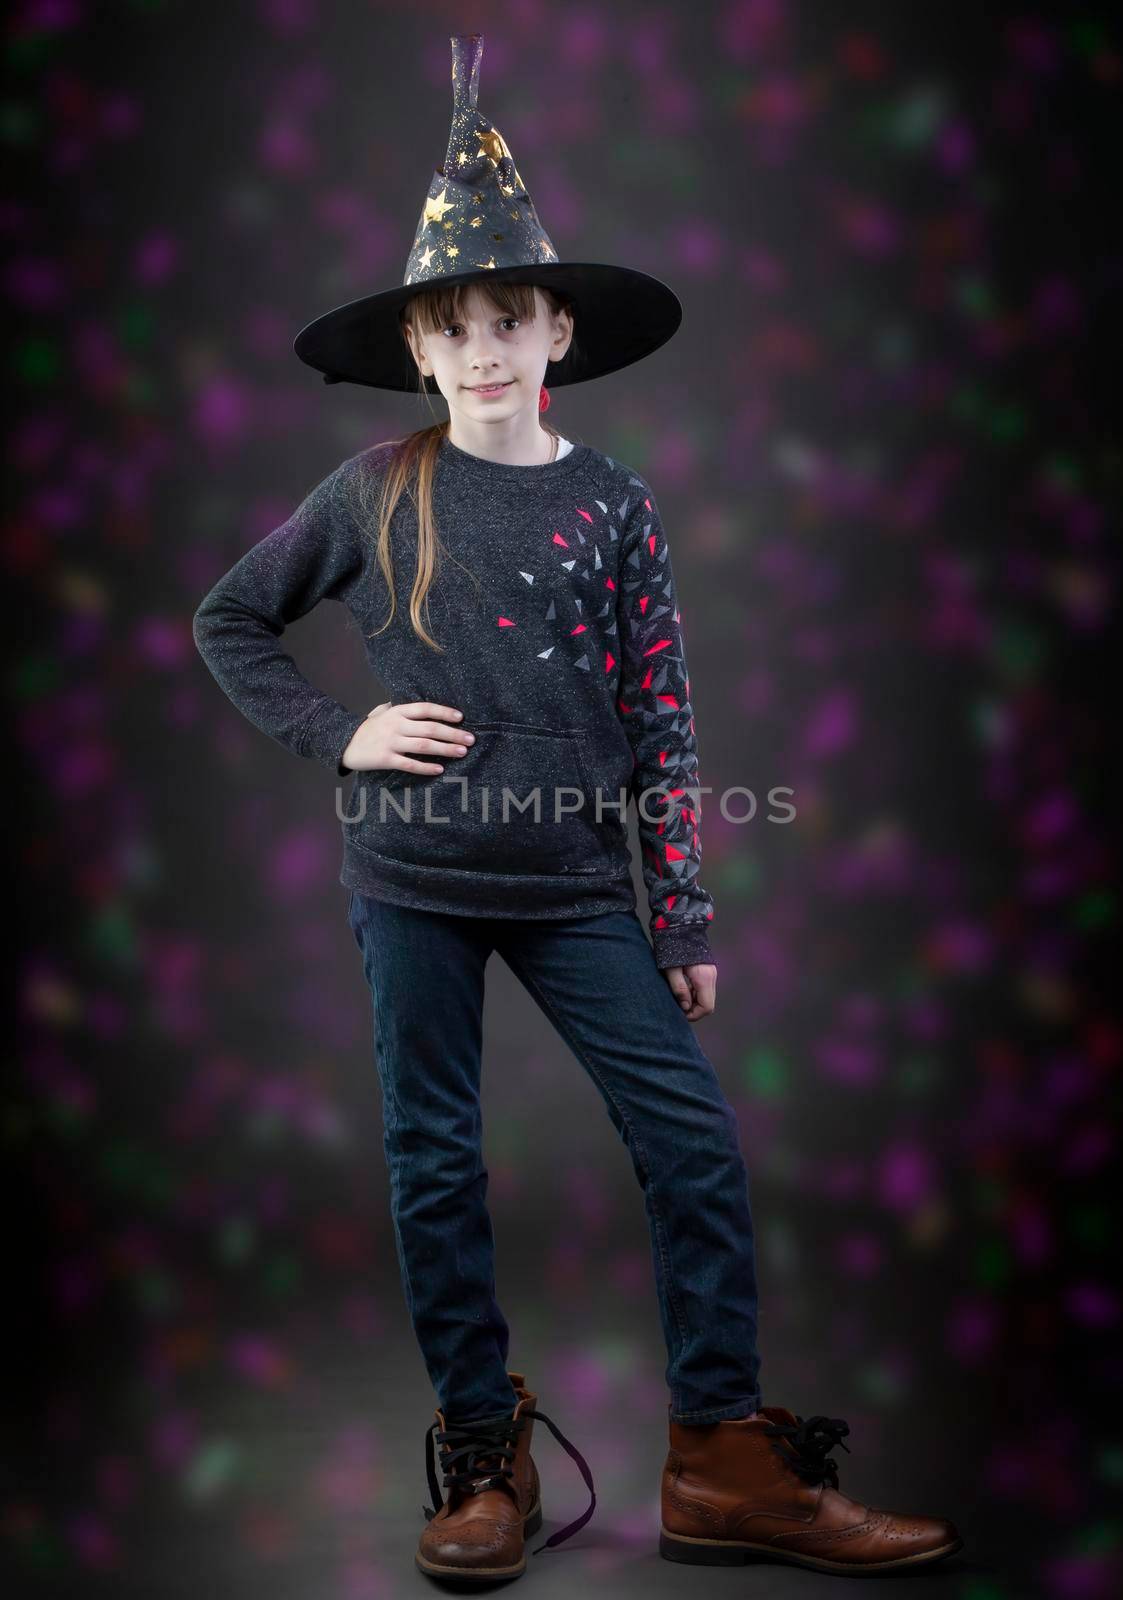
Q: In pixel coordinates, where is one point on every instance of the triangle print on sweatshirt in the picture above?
(556, 610)
(629, 628)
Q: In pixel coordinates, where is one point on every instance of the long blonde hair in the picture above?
(413, 460)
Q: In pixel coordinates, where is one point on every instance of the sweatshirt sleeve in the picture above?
(315, 555)
(654, 705)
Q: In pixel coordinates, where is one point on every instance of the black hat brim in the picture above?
(621, 315)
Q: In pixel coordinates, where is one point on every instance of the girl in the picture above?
(538, 682)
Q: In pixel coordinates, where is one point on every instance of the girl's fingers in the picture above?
(429, 708)
(696, 1000)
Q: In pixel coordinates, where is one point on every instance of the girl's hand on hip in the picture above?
(400, 736)
(695, 988)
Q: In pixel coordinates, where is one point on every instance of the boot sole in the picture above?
(732, 1553)
(473, 1575)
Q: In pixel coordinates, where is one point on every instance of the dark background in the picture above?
(882, 443)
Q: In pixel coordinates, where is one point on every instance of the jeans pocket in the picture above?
(354, 921)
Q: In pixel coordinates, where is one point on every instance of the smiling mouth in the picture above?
(478, 388)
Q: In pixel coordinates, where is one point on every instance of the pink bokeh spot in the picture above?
(905, 1177)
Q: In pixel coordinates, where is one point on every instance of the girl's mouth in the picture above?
(494, 388)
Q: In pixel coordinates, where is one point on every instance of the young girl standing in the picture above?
(538, 681)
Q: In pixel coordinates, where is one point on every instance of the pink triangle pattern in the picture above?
(653, 703)
(655, 709)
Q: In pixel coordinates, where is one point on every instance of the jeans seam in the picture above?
(664, 1255)
(392, 1107)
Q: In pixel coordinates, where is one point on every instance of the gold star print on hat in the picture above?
(477, 212)
(477, 223)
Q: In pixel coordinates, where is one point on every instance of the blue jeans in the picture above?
(596, 980)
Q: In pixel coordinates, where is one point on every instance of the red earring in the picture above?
(543, 398)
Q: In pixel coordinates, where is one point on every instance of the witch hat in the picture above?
(478, 222)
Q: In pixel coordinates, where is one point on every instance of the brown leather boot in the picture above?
(477, 1534)
(749, 1488)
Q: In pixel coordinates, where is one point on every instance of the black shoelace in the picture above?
(484, 1447)
(811, 1440)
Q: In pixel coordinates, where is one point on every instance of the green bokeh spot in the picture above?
(985, 720)
(638, 158)
(41, 1551)
(112, 936)
(1063, 472)
(727, 91)
(19, 123)
(66, 1119)
(973, 295)
(157, 1293)
(132, 1169)
(266, 1126)
(966, 404)
(741, 874)
(1090, 1226)
(1098, 1539)
(282, 1276)
(879, 1385)
(213, 1469)
(1018, 651)
(918, 1075)
(780, 1242)
(236, 1240)
(992, 1264)
(136, 323)
(25, 51)
(36, 676)
(765, 1073)
(616, 1356)
(910, 984)
(1095, 909)
(507, 1140)
(38, 361)
(141, 391)
(1087, 37)
(916, 119)
(1008, 421)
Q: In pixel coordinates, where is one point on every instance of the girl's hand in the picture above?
(695, 988)
(397, 736)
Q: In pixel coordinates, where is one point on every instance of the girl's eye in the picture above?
(457, 325)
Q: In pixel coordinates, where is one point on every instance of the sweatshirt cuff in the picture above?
(328, 733)
(682, 945)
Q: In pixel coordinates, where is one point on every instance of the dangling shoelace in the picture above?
(811, 1440)
(476, 1445)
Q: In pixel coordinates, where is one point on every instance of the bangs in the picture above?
(433, 309)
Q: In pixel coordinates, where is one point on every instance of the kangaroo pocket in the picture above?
(520, 801)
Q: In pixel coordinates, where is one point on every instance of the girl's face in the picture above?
(486, 346)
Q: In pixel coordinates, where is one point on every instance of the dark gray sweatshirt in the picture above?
(554, 599)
